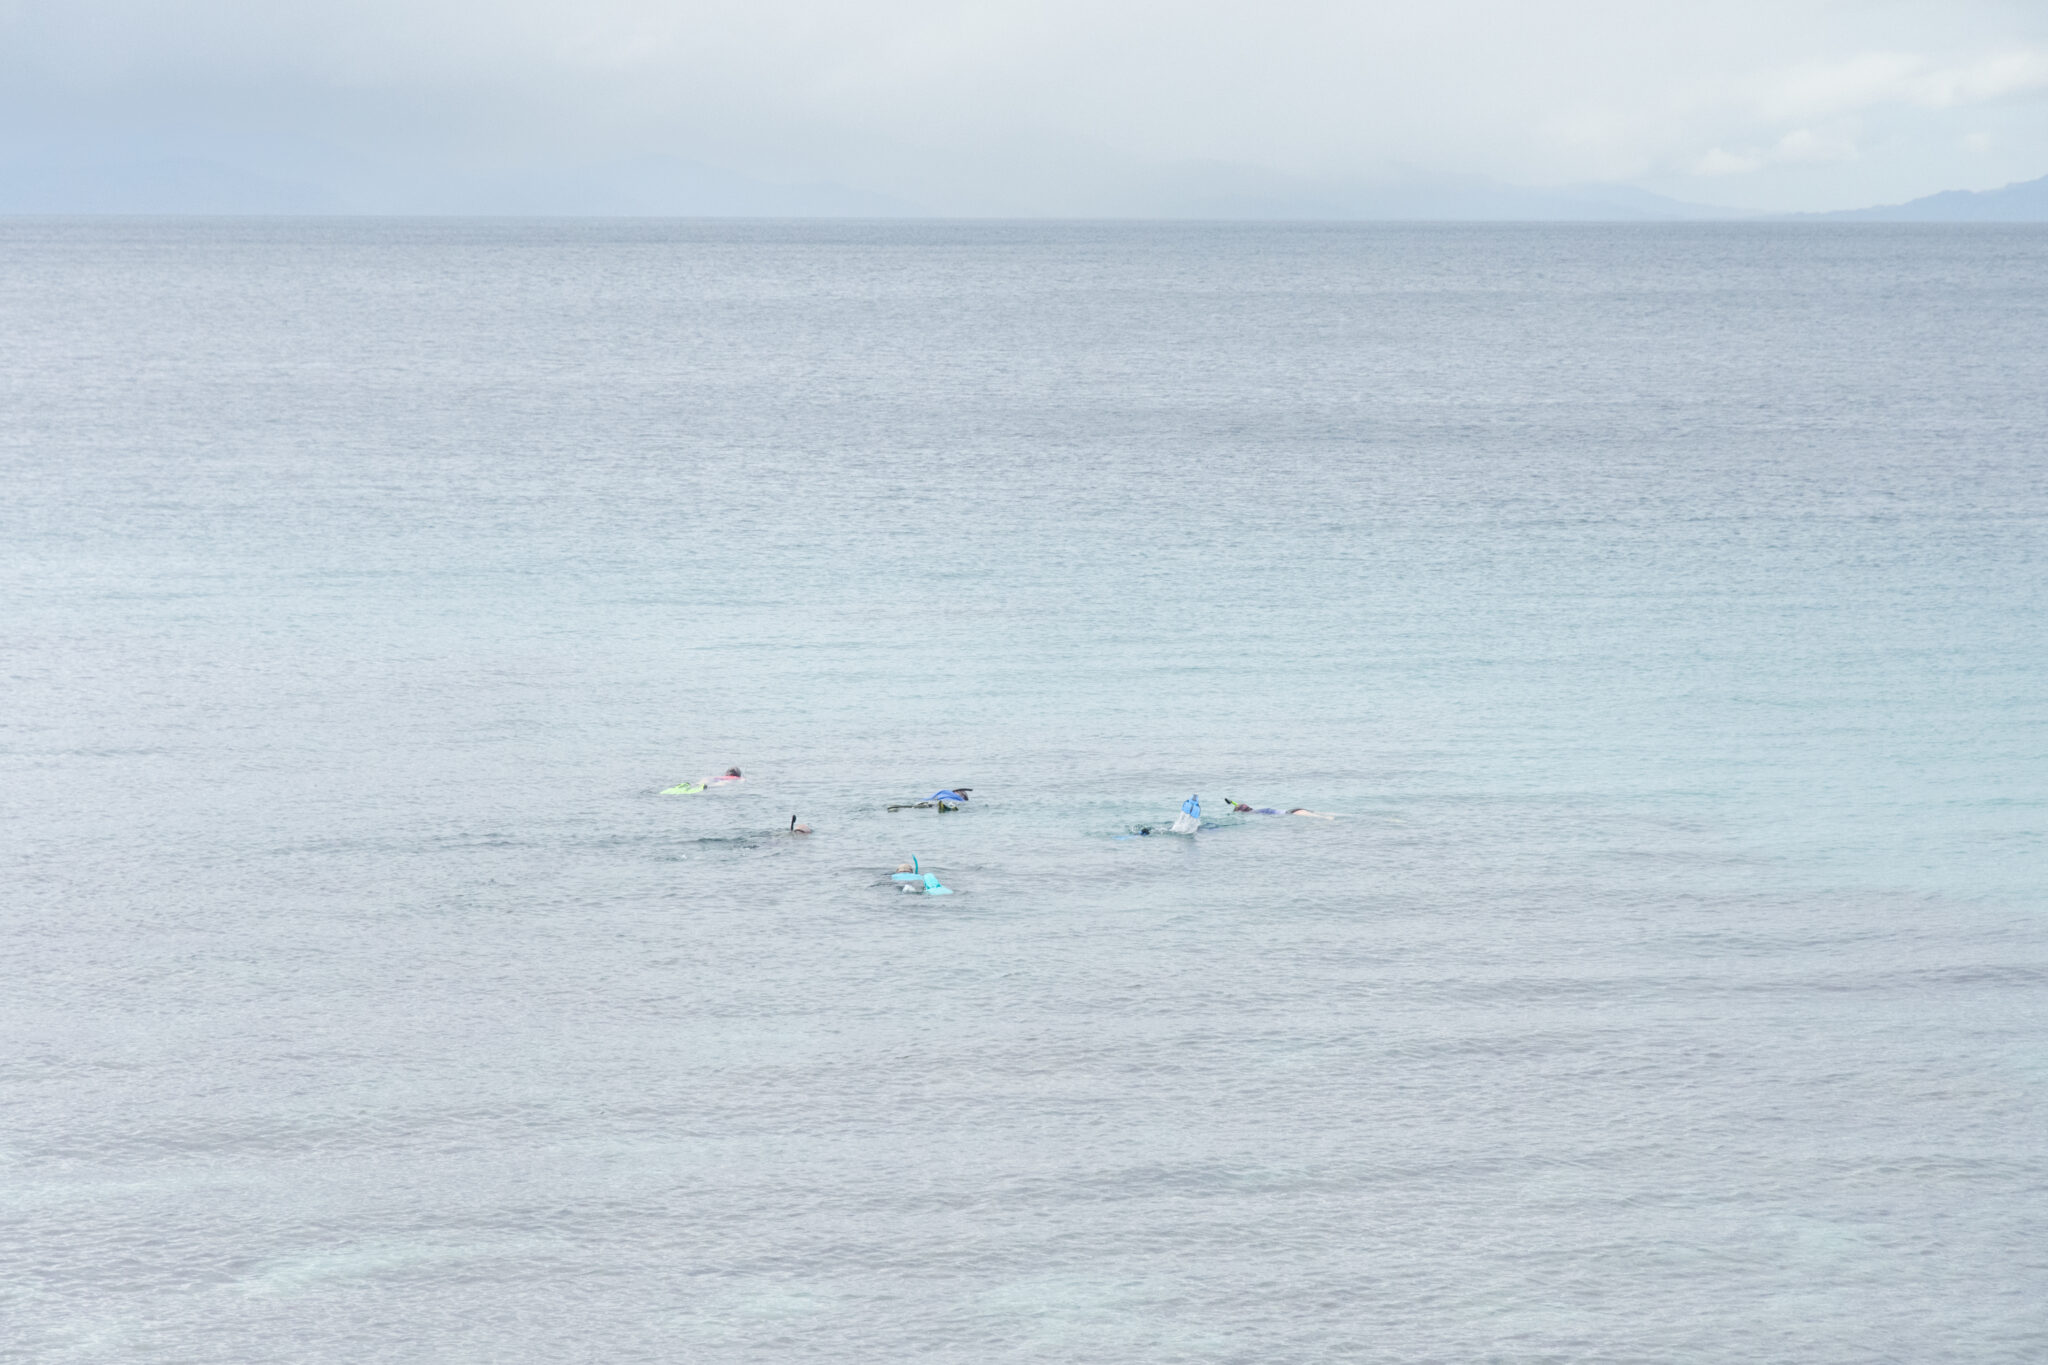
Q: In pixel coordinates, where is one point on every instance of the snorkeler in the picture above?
(795, 828)
(730, 776)
(912, 877)
(951, 798)
(1240, 808)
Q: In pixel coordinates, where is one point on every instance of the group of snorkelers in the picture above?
(724, 779)
(952, 798)
(914, 878)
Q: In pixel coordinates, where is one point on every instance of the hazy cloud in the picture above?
(1819, 111)
(1822, 89)
(1046, 106)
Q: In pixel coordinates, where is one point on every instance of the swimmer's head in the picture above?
(732, 772)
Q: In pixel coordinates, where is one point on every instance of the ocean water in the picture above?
(1663, 611)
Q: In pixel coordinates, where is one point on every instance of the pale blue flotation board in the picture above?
(932, 887)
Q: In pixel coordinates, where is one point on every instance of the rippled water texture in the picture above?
(1661, 610)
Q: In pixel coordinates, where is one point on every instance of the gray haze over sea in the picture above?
(1663, 610)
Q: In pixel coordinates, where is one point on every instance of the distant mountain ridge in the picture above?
(2025, 201)
(171, 180)
(651, 186)
(1207, 190)
(161, 185)
(660, 186)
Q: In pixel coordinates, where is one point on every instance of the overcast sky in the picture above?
(1049, 106)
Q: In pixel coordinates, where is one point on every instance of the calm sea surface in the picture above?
(1662, 610)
